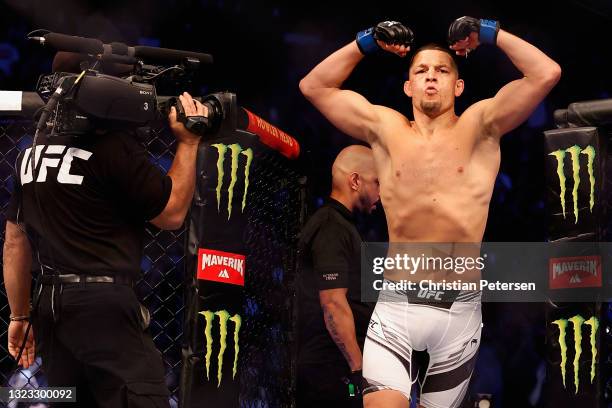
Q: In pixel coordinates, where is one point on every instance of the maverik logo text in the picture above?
(577, 323)
(235, 152)
(51, 157)
(575, 152)
(221, 266)
(224, 316)
(575, 272)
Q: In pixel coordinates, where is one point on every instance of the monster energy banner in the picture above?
(239, 261)
(574, 355)
(577, 193)
(223, 318)
(218, 220)
(235, 151)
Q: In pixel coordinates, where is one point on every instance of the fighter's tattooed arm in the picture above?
(340, 324)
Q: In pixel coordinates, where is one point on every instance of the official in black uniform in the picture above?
(94, 194)
(332, 319)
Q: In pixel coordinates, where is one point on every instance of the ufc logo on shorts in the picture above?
(52, 156)
(430, 294)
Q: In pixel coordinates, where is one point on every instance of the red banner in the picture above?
(575, 272)
(221, 266)
(272, 136)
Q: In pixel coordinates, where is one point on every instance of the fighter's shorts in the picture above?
(434, 345)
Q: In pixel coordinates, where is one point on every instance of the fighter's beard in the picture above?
(430, 107)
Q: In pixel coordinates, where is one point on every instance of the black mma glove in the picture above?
(461, 28)
(389, 32)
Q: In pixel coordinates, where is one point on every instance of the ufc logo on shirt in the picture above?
(53, 156)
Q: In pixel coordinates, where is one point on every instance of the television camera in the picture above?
(79, 103)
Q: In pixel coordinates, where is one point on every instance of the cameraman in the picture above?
(94, 195)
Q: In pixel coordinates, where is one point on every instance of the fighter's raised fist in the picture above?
(390, 36)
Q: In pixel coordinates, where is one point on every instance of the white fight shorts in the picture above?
(434, 344)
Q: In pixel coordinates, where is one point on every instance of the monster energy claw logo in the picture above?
(575, 152)
(224, 316)
(577, 322)
(235, 150)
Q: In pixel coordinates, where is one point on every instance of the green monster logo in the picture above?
(235, 150)
(575, 152)
(577, 322)
(224, 316)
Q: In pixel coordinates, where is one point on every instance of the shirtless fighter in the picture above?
(436, 179)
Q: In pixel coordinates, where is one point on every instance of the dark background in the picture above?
(263, 48)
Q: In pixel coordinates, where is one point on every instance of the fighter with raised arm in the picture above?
(436, 179)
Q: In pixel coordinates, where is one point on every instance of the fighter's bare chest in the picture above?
(428, 161)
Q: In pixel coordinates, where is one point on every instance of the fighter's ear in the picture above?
(459, 86)
(407, 88)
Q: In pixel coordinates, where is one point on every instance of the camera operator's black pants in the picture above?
(98, 345)
(322, 386)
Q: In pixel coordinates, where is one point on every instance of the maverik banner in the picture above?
(238, 169)
(575, 272)
(575, 155)
(219, 266)
(572, 332)
(221, 318)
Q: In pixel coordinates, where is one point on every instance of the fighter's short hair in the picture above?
(436, 47)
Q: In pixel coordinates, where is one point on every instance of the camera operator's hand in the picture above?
(182, 171)
(192, 108)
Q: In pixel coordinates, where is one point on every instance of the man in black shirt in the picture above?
(332, 319)
(86, 220)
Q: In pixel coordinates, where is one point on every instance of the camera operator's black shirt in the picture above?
(330, 253)
(95, 192)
